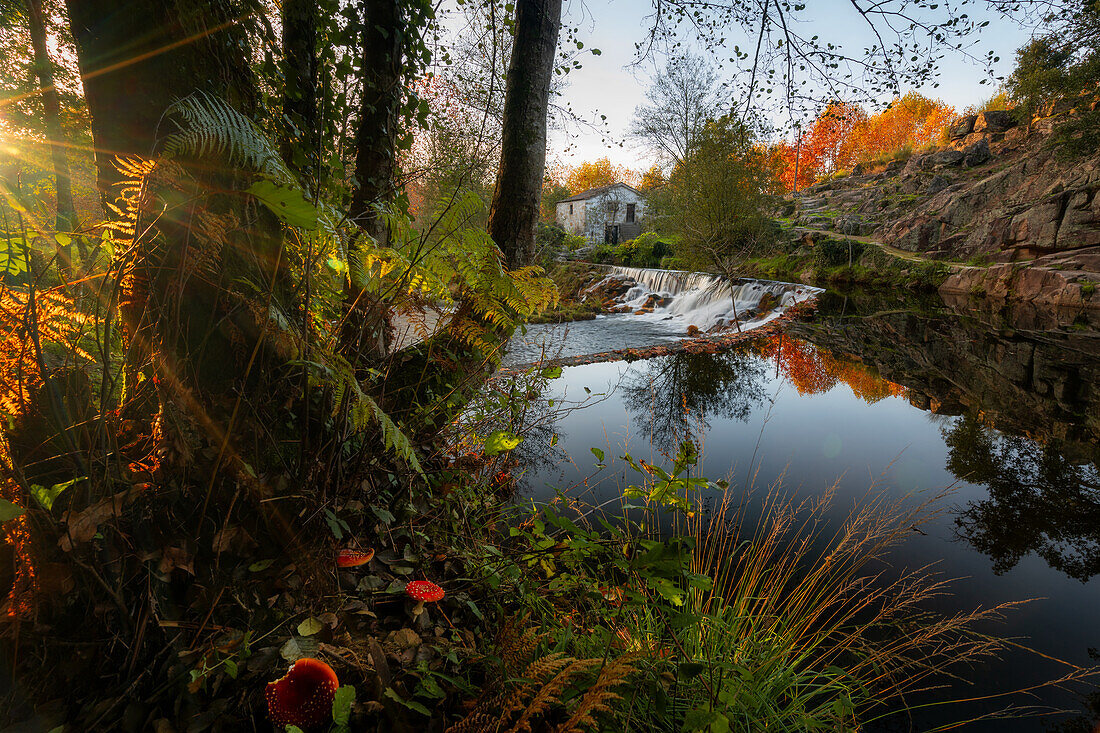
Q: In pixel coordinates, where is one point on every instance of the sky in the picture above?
(611, 84)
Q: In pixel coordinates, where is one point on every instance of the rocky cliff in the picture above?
(1014, 216)
(955, 360)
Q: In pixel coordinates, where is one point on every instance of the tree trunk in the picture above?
(300, 151)
(183, 305)
(366, 331)
(66, 211)
(514, 215)
(137, 57)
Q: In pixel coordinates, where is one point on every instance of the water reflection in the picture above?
(674, 398)
(1027, 429)
(1013, 413)
(1040, 501)
(813, 370)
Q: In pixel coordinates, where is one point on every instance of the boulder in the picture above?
(963, 127)
(977, 154)
(851, 225)
(994, 121)
(937, 184)
(947, 158)
(917, 163)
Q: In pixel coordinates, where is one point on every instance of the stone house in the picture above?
(604, 215)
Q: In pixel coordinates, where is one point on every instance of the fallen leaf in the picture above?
(83, 525)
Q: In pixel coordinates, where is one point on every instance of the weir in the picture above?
(704, 300)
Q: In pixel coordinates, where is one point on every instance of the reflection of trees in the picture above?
(1039, 501)
(676, 393)
(813, 370)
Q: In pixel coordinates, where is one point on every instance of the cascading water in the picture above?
(705, 301)
(655, 306)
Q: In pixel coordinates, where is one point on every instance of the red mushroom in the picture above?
(304, 696)
(353, 558)
(423, 591)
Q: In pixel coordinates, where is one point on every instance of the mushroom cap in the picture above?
(304, 696)
(353, 558)
(424, 590)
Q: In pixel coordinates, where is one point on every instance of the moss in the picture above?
(1088, 289)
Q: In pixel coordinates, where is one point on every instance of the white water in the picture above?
(703, 300)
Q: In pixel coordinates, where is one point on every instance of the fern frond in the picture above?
(206, 126)
(599, 696)
(550, 693)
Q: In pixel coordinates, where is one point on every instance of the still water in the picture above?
(911, 400)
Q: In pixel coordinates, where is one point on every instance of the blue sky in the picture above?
(610, 85)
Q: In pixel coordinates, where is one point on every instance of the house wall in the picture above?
(610, 209)
(591, 216)
(572, 223)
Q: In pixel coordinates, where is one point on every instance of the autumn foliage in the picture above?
(596, 173)
(815, 371)
(844, 135)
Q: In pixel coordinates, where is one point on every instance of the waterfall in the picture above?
(703, 300)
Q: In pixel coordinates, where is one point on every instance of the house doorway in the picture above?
(611, 234)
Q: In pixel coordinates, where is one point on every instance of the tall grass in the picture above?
(806, 624)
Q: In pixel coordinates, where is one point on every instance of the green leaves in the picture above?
(46, 496)
(288, 203)
(9, 511)
(341, 707)
(706, 720)
(501, 441)
(13, 260)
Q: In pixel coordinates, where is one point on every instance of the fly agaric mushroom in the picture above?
(304, 696)
(353, 558)
(423, 591)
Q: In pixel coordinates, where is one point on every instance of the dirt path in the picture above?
(901, 254)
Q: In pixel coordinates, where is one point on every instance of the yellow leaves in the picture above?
(596, 173)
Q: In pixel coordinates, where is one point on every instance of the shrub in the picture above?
(604, 254)
(834, 252)
(644, 251)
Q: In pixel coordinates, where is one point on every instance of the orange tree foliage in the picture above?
(830, 145)
(791, 157)
(912, 121)
(815, 371)
(843, 135)
(652, 178)
(596, 173)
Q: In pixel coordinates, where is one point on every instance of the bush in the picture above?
(574, 242)
(833, 252)
(550, 235)
(644, 251)
(604, 254)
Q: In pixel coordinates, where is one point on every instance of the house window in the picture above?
(570, 209)
(630, 213)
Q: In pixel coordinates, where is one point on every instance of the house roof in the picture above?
(598, 191)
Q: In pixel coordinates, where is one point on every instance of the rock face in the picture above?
(991, 122)
(1000, 193)
(1046, 386)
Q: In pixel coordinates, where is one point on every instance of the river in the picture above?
(909, 396)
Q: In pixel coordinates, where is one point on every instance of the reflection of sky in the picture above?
(814, 440)
(608, 85)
